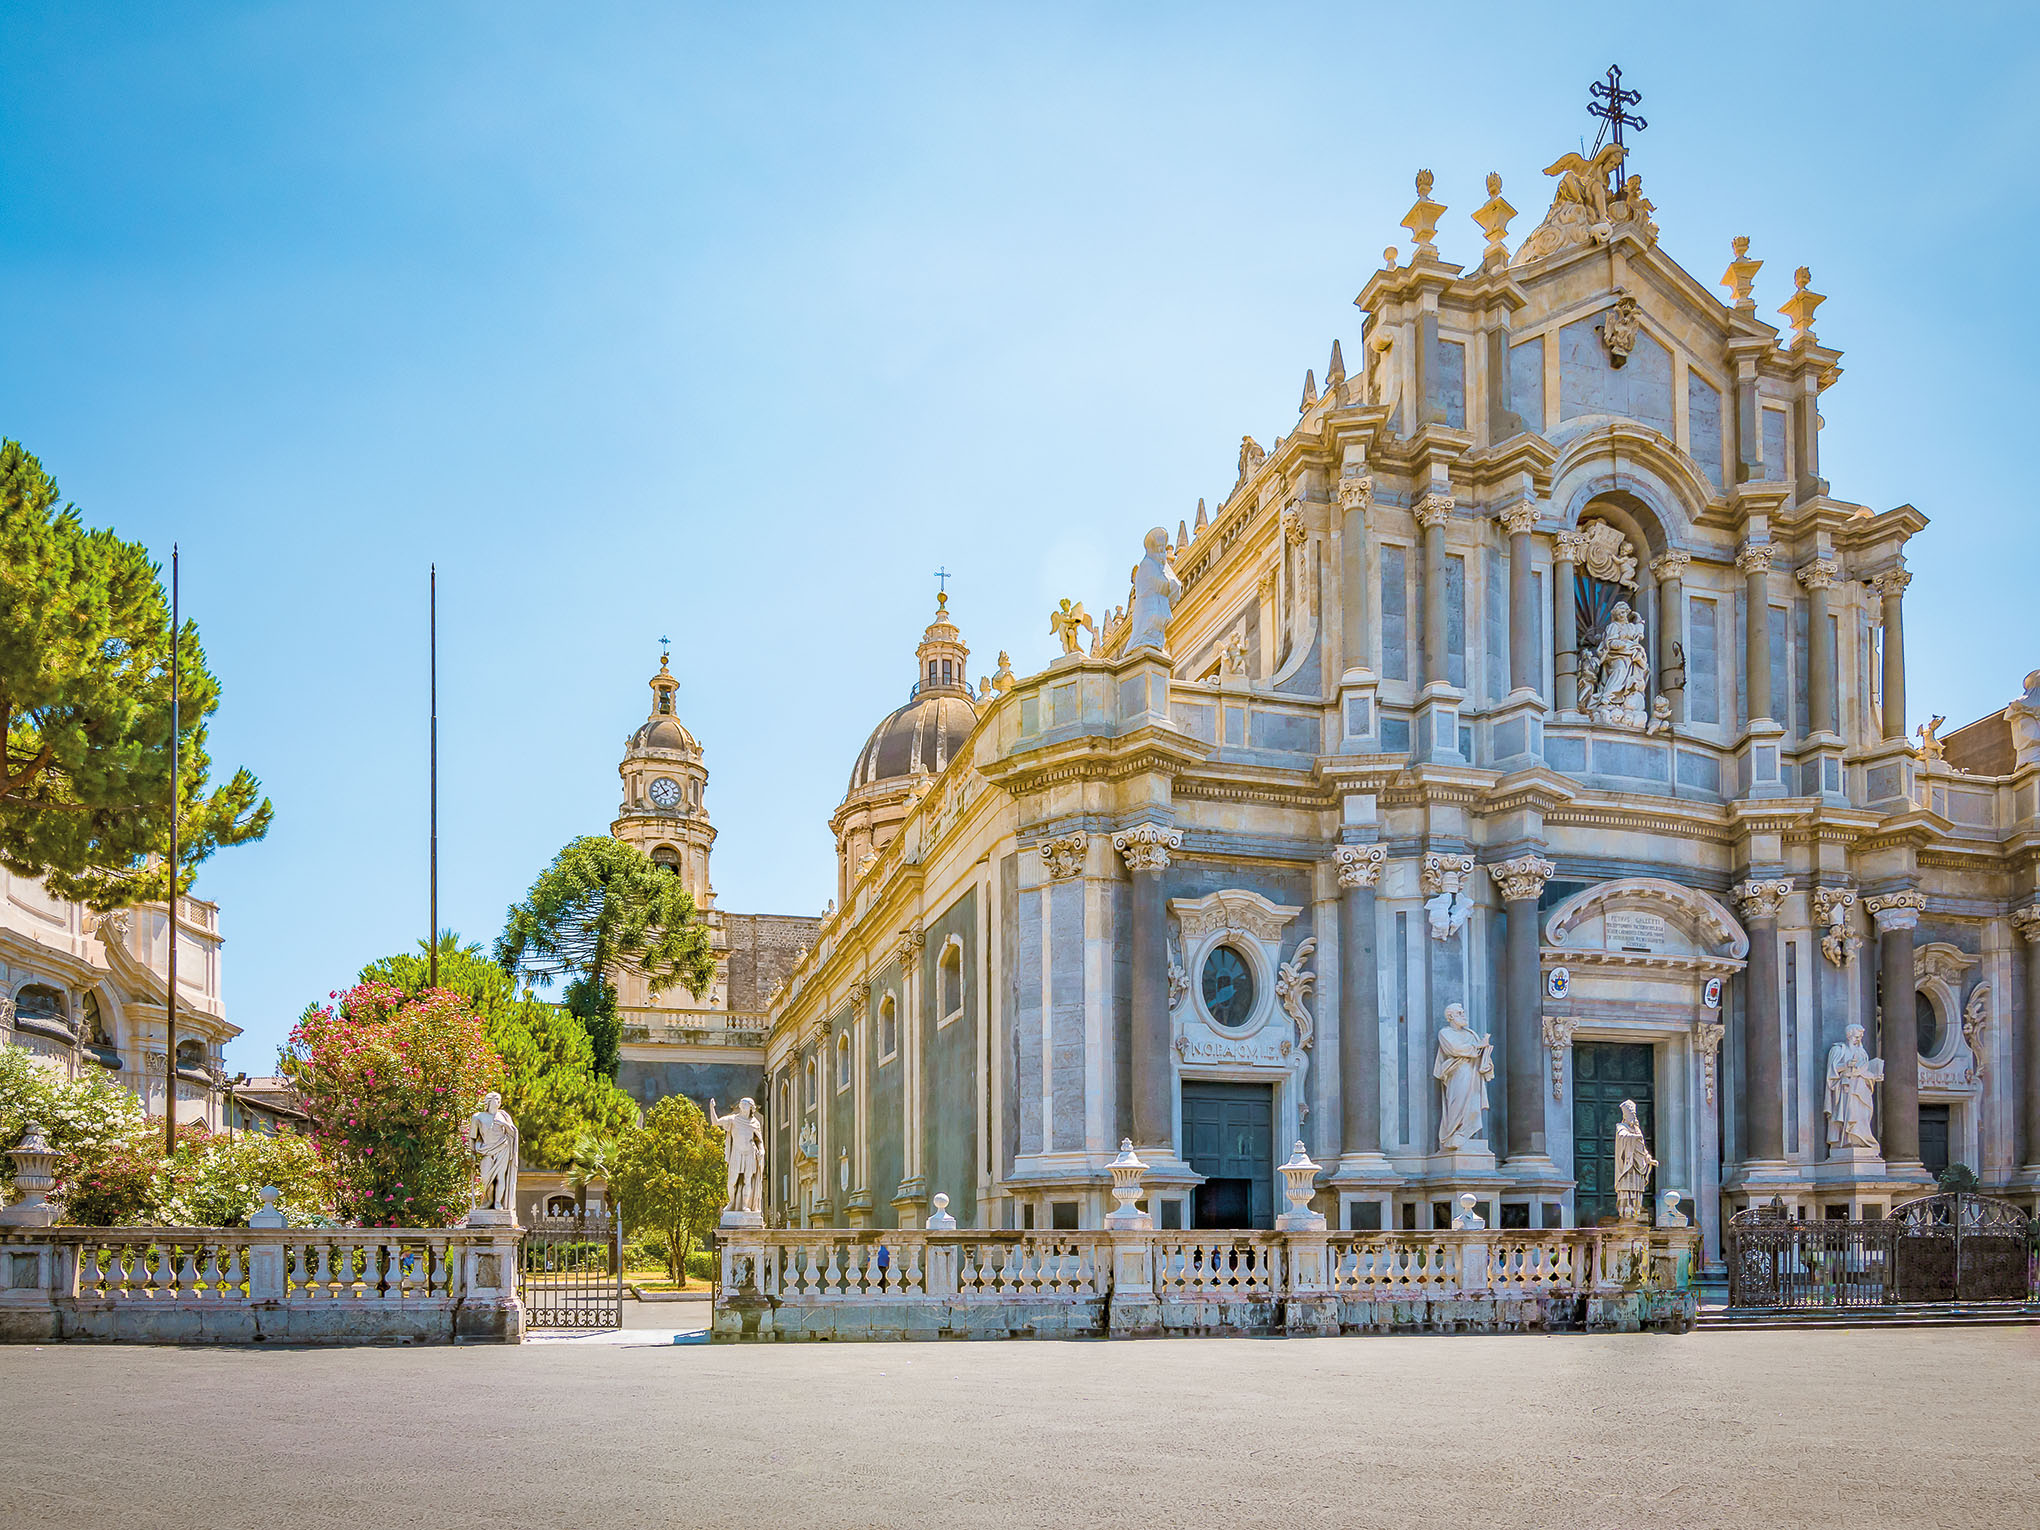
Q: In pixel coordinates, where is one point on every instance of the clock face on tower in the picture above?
(665, 792)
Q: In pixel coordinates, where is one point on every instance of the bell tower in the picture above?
(665, 783)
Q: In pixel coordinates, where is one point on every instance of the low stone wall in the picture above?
(199, 1285)
(828, 1284)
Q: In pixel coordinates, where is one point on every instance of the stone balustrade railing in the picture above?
(200, 1285)
(828, 1283)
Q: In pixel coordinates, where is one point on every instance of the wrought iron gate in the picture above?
(572, 1274)
(1953, 1247)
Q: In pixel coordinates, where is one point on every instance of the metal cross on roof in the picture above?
(1610, 102)
(942, 578)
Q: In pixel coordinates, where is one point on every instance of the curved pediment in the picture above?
(1665, 919)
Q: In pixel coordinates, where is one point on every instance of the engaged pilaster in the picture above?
(1897, 916)
(1359, 869)
(1568, 548)
(1763, 1079)
(1438, 707)
(1357, 683)
(1890, 587)
(2027, 922)
(1670, 569)
(1145, 849)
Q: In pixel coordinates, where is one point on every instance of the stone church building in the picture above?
(1528, 734)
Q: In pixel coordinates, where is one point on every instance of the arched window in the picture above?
(1929, 1021)
(949, 981)
(888, 1029)
(842, 1062)
(190, 1053)
(812, 1092)
(96, 1033)
(666, 858)
(38, 1001)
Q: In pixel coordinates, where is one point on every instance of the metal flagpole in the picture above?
(432, 663)
(170, 1000)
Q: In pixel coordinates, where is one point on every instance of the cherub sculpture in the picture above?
(1066, 621)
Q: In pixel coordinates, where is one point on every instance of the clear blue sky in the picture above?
(734, 325)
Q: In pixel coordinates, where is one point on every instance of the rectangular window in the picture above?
(1062, 1216)
(1455, 620)
(1395, 622)
(1703, 661)
(1526, 382)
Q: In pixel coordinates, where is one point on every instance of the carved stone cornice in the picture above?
(1519, 518)
(1356, 492)
(1755, 557)
(1360, 865)
(1896, 911)
(1569, 547)
(1521, 879)
(2027, 922)
(1671, 565)
(1820, 574)
(1146, 846)
(1761, 898)
(1064, 854)
(1892, 582)
(1433, 510)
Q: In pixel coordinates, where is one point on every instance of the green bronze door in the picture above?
(1229, 1138)
(1605, 1073)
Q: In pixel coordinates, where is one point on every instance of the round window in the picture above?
(1228, 987)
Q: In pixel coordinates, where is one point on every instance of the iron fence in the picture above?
(571, 1275)
(1954, 1247)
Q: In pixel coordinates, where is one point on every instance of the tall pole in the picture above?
(432, 665)
(170, 991)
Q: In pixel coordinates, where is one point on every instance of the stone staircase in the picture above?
(1917, 1315)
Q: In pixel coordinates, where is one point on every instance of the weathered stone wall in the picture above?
(762, 948)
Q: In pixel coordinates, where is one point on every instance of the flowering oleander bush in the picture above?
(388, 1083)
(216, 1180)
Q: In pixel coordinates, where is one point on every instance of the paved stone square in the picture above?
(1863, 1429)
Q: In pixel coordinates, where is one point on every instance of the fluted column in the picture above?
(1763, 1078)
(1433, 510)
(1898, 1042)
(1565, 633)
(1670, 569)
(1356, 498)
(1818, 577)
(1359, 1000)
(2027, 922)
(1755, 562)
(1146, 850)
(1890, 587)
(1521, 882)
(1517, 521)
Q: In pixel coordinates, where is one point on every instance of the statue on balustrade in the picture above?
(743, 1132)
(1615, 672)
(1156, 589)
(492, 1136)
(1465, 1063)
(1851, 1071)
(1633, 1163)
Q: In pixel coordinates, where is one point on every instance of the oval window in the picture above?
(1228, 987)
(1929, 1024)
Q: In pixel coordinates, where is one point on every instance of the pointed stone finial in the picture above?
(1741, 275)
(1202, 519)
(1422, 218)
(1309, 390)
(1182, 534)
(1493, 220)
(1798, 308)
(1335, 369)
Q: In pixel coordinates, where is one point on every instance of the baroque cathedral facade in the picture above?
(1523, 734)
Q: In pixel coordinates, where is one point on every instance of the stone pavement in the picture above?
(1869, 1430)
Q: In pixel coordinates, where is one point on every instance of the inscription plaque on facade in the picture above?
(1628, 930)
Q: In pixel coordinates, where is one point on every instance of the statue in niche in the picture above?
(1633, 1163)
(1615, 671)
(1156, 589)
(1850, 1073)
(1463, 1066)
(1066, 621)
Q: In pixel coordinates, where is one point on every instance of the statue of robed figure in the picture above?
(1850, 1073)
(492, 1136)
(1464, 1064)
(1633, 1163)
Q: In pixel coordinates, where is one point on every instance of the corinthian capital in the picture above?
(1519, 518)
(1570, 547)
(907, 945)
(1896, 911)
(1760, 899)
(2027, 922)
(1434, 510)
(1146, 846)
(1891, 582)
(1819, 574)
(1356, 491)
(1521, 878)
(1446, 873)
(1671, 565)
(1755, 557)
(1065, 854)
(860, 998)
(1360, 865)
